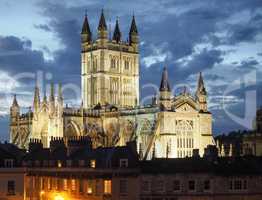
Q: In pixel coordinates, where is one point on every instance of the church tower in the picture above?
(110, 66)
(201, 94)
(165, 91)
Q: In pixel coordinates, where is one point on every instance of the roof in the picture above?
(164, 85)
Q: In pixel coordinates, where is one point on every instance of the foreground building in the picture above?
(80, 172)
(72, 169)
(12, 174)
(171, 126)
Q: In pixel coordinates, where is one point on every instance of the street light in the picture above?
(58, 197)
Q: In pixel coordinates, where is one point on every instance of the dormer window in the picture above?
(93, 163)
(9, 162)
(123, 163)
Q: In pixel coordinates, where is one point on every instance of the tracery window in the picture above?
(184, 130)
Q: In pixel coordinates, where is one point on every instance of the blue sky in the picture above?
(221, 38)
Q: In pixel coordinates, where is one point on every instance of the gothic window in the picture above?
(126, 64)
(113, 63)
(95, 64)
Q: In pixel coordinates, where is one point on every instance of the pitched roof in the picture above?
(133, 28)
(102, 22)
(117, 33)
(164, 85)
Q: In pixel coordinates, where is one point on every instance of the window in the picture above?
(207, 185)
(11, 187)
(123, 162)
(97, 187)
(59, 164)
(73, 184)
(158, 186)
(9, 162)
(107, 186)
(81, 188)
(126, 65)
(113, 63)
(191, 185)
(145, 186)
(238, 184)
(176, 185)
(69, 163)
(48, 183)
(123, 186)
(93, 163)
(65, 185)
(89, 187)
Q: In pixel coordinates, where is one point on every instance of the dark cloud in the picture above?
(17, 55)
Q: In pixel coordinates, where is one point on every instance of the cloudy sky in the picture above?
(221, 38)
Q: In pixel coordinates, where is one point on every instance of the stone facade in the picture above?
(172, 126)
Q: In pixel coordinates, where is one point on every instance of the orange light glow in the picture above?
(58, 197)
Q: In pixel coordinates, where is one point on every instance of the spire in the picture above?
(86, 33)
(15, 104)
(133, 28)
(102, 22)
(36, 98)
(200, 85)
(44, 98)
(117, 33)
(164, 86)
(52, 93)
(60, 93)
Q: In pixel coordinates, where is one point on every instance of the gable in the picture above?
(185, 107)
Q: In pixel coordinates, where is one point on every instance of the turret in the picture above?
(86, 35)
(102, 28)
(133, 34)
(201, 94)
(15, 109)
(52, 99)
(60, 94)
(164, 91)
(36, 103)
(117, 33)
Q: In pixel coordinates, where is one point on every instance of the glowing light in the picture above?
(42, 192)
(59, 197)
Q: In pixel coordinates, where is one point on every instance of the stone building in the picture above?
(80, 172)
(12, 174)
(171, 126)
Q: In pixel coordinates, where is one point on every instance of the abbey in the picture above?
(171, 126)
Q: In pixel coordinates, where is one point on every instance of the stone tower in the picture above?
(110, 66)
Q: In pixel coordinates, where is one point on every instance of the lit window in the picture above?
(73, 184)
(11, 187)
(191, 185)
(107, 186)
(176, 185)
(65, 185)
(89, 187)
(48, 183)
(123, 163)
(59, 164)
(123, 186)
(93, 163)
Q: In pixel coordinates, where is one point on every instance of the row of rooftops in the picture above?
(77, 153)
